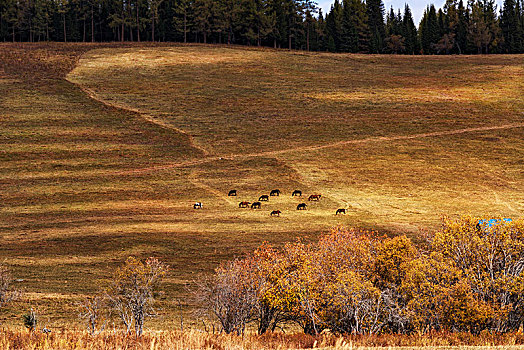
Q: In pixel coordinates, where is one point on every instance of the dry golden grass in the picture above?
(175, 340)
(84, 185)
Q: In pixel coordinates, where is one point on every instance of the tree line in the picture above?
(468, 277)
(350, 26)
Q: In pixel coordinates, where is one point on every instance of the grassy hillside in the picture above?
(107, 163)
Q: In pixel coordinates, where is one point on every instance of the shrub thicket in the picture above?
(468, 278)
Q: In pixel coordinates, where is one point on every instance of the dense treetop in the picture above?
(476, 26)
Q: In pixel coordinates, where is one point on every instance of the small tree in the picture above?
(131, 291)
(7, 292)
(229, 295)
(92, 311)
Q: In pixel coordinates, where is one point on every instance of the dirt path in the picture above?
(207, 159)
(152, 119)
(190, 163)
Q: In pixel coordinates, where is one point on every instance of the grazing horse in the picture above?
(232, 193)
(197, 205)
(296, 193)
(275, 193)
(275, 212)
(341, 211)
(314, 197)
(256, 205)
(263, 198)
(243, 204)
(302, 206)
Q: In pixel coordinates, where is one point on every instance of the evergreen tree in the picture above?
(182, 18)
(203, 13)
(376, 25)
(409, 32)
(429, 30)
(334, 27)
(510, 25)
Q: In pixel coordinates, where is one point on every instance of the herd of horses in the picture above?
(276, 193)
(273, 193)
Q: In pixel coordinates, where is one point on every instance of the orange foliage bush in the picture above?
(470, 279)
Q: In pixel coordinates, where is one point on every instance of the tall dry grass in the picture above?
(193, 339)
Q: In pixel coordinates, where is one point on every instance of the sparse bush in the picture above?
(7, 292)
(131, 293)
(93, 312)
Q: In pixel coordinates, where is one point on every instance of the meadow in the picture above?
(104, 149)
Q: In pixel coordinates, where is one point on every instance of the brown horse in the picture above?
(296, 193)
(302, 206)
(256, 205)
(243, 204)
(232, 193)
(314, 197)
(275, 193)
(341, 211)
(263, 198)
(275, 213)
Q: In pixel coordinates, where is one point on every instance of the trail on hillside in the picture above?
(208, 159)
(152, 119)
(190, 163)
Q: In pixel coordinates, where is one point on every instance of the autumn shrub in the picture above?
(131, 292)
(467, 279)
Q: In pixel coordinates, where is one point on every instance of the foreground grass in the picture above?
(175, 340)
(84, 183)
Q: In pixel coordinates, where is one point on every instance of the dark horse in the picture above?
(197, 205)
(275, 193)
(340, 211)
(275, 212)
(296, 193)
(232, 193)
(256, 205)
(302, 206)
(314, 197)
(263, 198)
(243, 204)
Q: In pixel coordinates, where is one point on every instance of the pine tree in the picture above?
(348, 35)
(334, 27)
(409, 32)
(429, 30)
(376, 25)
(509, 23)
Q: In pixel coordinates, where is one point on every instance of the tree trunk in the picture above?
(289, 34)
(13, 32)
(185, 27)
(122, 30)
(153, 29)
(84, 36)
(205, 37)
(65, 34)
(307, 38)
(92, 25)
(137, 24)
(258, 37)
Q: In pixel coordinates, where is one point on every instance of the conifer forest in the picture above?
(471, 27)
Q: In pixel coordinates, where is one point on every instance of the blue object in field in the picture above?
(493, 222)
